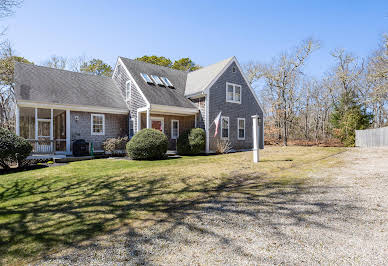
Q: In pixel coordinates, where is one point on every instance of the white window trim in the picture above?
(103, 124)
(133, 127)
(128, 94)
(142, 75)
(161, 119)
(225, 117)
(234, 92)
(172, 127)
(157, 80)
(238, 128)
(166, 81)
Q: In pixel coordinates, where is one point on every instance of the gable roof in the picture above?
(50, 85)
(155, 94)
(199, 80)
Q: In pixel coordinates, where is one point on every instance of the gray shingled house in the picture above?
(56, 107)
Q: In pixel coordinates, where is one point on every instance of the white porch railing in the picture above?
(47, 146)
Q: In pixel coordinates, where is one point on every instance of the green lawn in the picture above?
(46, 209)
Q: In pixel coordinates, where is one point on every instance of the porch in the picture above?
(48, 130)
(169, 120)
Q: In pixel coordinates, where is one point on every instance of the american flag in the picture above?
(217, 122)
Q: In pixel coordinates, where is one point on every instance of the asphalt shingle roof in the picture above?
(198, 80)
(50, 85)
(157, 94)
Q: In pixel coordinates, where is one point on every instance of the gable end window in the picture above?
(224, 127)
(233, 93)
(128, 90)
(97, 124)
(241, 128)
(174, 129)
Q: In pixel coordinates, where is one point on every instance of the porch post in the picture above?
(36, 124)
(195, 121)
(17, 120)
(148, 118)
(255, 126)
(68, 131)
(51, 130)
(138, 122)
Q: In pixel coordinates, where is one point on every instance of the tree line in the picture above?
(352, 94)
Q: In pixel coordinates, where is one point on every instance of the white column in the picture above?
(138, 121)
(52, 129)
(68, 132)
(195, 121)
(255, 126)
(36, 123)
(17, 120)
(148, 119)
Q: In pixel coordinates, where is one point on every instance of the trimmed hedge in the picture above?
(13, 149)
(191, 142)
(147, 144)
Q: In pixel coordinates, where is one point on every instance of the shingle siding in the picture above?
(136, 100)
(201, 117)
(247, 108)
(115, 126)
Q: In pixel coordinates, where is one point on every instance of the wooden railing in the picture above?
(43, 146)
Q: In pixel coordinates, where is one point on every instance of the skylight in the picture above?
(146, 78)
(157, 80)
(167, 82)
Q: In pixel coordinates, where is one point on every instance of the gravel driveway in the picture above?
(340, 217)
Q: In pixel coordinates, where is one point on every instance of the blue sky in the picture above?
(206, 31)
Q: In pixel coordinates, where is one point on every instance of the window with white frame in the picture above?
(174, 129)
(98, 124)
(157, 80)
(128, 90)
(131, 127)
(167, 82)
(241, 128)
(233, 93)
(146, 78)
(224, 127)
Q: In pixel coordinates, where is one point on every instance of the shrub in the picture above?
(115, 145)
(191, 141)
(223, 146)
(13, 149)
(147, 144)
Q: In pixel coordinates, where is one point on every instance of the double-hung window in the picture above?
(128, 90)
(233, 93)
(241, 128)
(174, 129)
(224, 127)
(97, 124)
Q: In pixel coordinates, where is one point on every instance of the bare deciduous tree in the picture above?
(281, 79)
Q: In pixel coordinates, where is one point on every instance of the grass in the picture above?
(44, 210)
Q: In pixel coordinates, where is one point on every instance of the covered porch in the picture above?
(47, 129)
(172, 121)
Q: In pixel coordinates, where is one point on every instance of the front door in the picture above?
(158, 124)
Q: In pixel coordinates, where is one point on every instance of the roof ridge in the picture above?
(63, 70)
(142, 62)
(203, 68)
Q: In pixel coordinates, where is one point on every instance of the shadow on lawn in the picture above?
(77, 211)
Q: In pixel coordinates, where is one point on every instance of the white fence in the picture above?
(376, 137)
